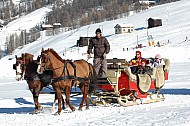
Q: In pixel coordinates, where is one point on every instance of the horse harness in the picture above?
(73, 78)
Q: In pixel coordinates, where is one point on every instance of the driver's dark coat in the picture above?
(100, 45)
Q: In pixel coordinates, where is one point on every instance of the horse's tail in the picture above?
(93, 78)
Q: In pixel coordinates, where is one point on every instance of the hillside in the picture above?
(174, 29)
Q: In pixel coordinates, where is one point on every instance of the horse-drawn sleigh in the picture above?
(128, 89)
(120, 86)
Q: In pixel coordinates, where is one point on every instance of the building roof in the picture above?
(147, 2)
(57, 24)
(47, 26)
(124, 25)
(2, 22)
(155, 18)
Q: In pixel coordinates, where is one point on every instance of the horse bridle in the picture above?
(43, 64)
(22, 67)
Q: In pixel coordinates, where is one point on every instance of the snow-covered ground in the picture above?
(16, 101)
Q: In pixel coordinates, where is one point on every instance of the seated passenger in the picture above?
(137, 60)
(158, 61)
(143, 69)
(149, 62)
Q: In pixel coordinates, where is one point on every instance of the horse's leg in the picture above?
(35, 98)
(67, 93)
(55, 100)
(37, 93)
(59, 97)
(30, 86)
(63, 104)
(84, 97)
(38, 106)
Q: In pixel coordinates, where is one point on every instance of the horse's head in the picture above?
(44, 62)
(19, 66)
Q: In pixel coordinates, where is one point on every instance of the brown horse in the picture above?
(27, 67)
(66, 74)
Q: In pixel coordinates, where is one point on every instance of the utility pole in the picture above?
(147, 26)
(137, 40)
(87, 30)
(3, 9)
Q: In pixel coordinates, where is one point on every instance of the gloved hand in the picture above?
(134, 61)
(89, 56)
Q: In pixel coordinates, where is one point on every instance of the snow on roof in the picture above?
(16, 2)
(47, 26)
(125, 25)
(147, 1)
(1, 21)
(56, 23)
(155, 17)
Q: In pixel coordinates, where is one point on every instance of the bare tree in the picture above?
(66, 19)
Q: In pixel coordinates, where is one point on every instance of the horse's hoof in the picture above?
(80, 109)
(73, 109)
(64, 108)
(57, 113)
(52, 108)
(35, 111)
(87, 108)
(41, 108)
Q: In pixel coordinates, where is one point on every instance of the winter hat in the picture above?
(150, 61)
(98, 31)
(158, 56)
(143, 61)
(138, 52)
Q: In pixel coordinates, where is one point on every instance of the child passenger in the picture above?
(143, 68)
(158, 61)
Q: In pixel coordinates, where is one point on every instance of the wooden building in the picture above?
(56, 25)
(147, 2)
(154, 22)
(124, 28)
(48, 28)
(83, 41)
(56, 28)
(1, 26)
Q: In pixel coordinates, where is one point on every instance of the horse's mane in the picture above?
(80, 60)
(55, 54)
(28, 56)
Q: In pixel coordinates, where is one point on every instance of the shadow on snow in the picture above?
(21, 101)
(16, 110)
(74, 100)
(182, 91)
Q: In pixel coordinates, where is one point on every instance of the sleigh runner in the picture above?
(123, 87)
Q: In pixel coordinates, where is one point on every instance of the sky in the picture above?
(16, 102)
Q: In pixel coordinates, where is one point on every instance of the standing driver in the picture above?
(101, 49)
